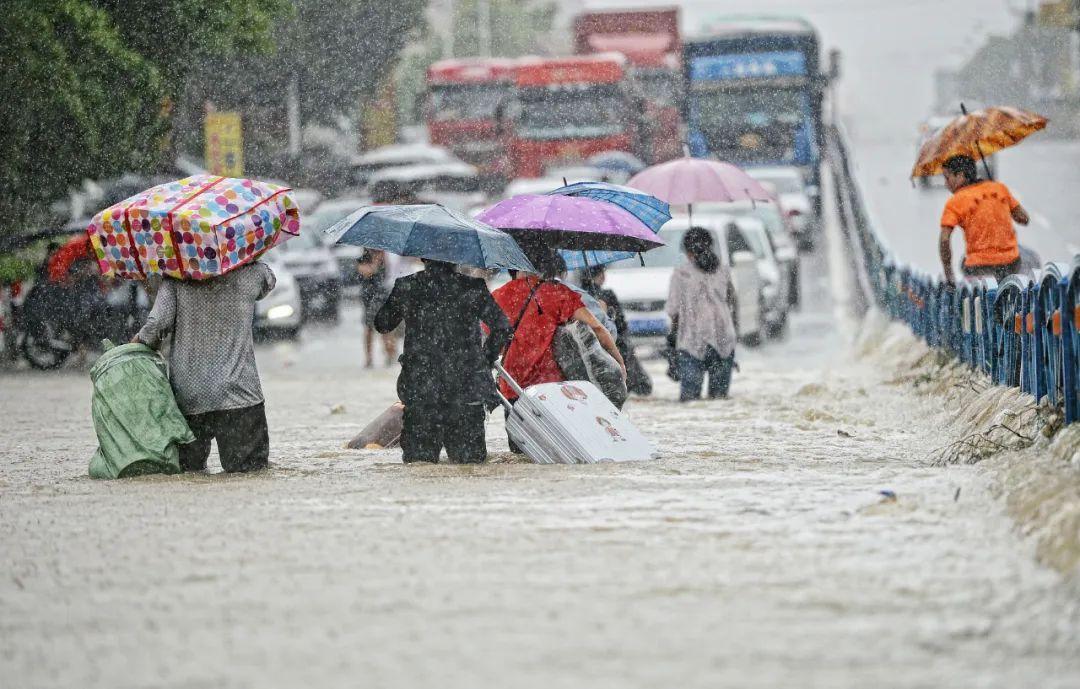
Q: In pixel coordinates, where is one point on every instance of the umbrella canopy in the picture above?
(686, 181)
(976, 135)
(572, 222)
(648, 209)
(433, 232)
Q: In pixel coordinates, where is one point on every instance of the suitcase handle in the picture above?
(509, 379)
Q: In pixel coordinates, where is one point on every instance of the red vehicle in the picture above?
(466, 98)
(568, 109)
(651, 42)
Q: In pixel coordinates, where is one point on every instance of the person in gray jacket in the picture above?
(212, 363)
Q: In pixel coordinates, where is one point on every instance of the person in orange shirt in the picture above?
(984, 210)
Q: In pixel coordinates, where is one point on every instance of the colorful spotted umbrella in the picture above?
(192, 229)
(976, 134)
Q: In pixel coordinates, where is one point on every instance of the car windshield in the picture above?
(467, 101)
(571, 111)
(751, 125)
(783, 182)
(769, 215)
(668, 256)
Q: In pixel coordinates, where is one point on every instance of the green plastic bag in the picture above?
(137, 421)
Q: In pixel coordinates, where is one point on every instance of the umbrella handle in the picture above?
(986, 166)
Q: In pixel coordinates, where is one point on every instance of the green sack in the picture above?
(137, 421)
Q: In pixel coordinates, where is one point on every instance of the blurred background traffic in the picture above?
(464, 102)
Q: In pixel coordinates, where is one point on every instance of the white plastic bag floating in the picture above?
(581, 357)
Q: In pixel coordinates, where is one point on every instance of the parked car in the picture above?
(397, 155)
(797, 198)
(318, 277)
(532, 185)
(455, 185)
(325, 215)
(774, 280)
(280, 313)
(643, 290)
(784, 243)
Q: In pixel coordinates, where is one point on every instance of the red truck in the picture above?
(651, 42)
(568, 109)
(466, 99)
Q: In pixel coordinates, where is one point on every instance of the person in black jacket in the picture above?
(445, 381)
(592, 281)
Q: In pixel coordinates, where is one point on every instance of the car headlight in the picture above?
(276, 313)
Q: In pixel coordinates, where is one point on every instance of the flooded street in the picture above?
(757, 548)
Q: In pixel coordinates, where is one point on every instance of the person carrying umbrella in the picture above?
(445, 381)
(984, 210)
(539, 304)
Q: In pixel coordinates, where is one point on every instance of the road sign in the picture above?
(224, 144)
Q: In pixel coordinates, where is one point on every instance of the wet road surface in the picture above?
(756, 551)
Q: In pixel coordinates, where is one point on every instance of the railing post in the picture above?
(1070, 325)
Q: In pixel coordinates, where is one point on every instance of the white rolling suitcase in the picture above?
(571, 423)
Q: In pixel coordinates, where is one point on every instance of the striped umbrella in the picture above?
(976, 134)
(648, 209)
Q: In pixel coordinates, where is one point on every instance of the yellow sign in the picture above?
(224, 144)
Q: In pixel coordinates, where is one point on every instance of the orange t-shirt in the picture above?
(984, 212)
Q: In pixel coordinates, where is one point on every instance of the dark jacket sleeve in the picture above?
(491, 315)
(392, 311)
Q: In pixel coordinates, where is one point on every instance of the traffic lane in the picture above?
(1043, 175)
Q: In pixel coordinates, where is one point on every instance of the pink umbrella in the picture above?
(686, 181)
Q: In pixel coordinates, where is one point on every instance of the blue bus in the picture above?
(754, 94)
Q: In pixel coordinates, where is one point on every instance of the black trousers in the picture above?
(243, 440)
(426, 430)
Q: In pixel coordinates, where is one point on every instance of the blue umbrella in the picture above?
(648, 209)
(433, 232)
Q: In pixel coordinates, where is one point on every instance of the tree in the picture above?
(338, 51)
(88, 85)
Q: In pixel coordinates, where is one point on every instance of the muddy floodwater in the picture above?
(756, 551)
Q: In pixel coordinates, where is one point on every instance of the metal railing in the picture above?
(1023, 332)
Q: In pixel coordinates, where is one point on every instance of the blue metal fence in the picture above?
(1023, 332)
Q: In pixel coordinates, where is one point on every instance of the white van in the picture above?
(643, 290)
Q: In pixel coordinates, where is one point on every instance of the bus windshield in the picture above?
(751, 124)
(455, 102)
(573, 111)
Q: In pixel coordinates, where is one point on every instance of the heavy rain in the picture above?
(536, 343)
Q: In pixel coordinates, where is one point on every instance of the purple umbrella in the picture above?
(572, 222)
(686, 181)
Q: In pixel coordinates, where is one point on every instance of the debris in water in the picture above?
(337, 409)
(956, 496)
(844, 434)
(888, 495)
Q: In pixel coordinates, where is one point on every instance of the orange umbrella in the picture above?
(977, 135)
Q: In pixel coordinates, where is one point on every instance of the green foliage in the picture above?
(337, 50)
(88, 83)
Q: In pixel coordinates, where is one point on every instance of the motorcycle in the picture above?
(50, 323)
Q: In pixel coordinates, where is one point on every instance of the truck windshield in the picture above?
(455, 102)
(659, 86)
(571, 112)
(749, 125)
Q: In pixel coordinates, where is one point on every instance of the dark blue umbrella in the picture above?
(648, 209)
(433, 232)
